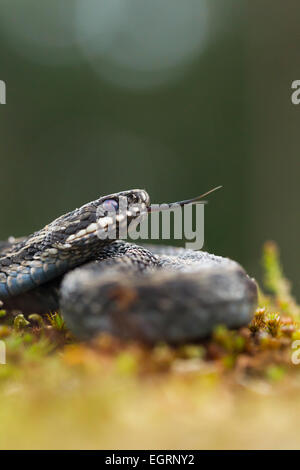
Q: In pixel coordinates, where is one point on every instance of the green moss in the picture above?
(192, 351)
(276, 283)
(259, 320)
(126, 363)
(230, 340)
(57, 322)
(20, 322)
(273, 275)
(4, 331)
(56, 392)
(36, 319)
(273, 324)
(275, 373)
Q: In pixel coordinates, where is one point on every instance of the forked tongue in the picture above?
(183, 203)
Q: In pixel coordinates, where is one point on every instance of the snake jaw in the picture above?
(93, 222)
(67, 242)
(105, 218)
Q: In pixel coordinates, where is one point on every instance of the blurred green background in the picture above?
(175, 97)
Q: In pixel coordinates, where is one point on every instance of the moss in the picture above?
(259, 320)
(57, 322)
(192, 351)
(4, 331)
(20, 322)
(275, 373)
(126, 363)
(34, 318)
(276, 283)
(56, 392)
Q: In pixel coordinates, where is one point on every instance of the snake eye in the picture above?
(110, 205)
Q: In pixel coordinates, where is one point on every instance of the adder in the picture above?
(104, 284)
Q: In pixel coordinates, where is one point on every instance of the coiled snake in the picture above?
(149, 293)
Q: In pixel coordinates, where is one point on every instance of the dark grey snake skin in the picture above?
(150, 293)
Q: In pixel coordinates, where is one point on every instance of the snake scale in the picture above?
(148, 293)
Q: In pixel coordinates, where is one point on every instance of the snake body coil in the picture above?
(107, 285)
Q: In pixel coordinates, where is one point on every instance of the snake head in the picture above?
(106, 218)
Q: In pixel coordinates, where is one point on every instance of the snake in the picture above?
(105, 284)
